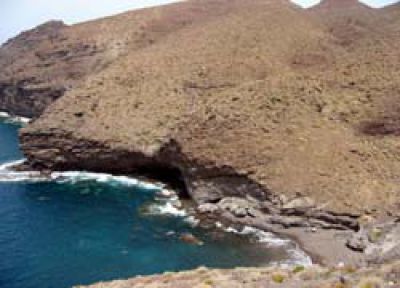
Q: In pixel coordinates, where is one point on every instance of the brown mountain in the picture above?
(240, 98)
(333, 5)
(40, 65)
(393, 13)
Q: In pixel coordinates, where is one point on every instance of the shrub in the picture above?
(278, 278)
(298, 269)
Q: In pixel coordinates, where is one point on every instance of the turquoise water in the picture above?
(63, 234)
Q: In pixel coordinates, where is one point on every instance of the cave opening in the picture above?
(171, 176)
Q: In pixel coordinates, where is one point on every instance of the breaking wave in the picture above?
(166, 208)
(260, 236)
(7, 174)
(298, 256)
(167, 202)
(76, 176)
(14, 119)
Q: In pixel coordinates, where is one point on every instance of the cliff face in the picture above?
(21, 92)
(255, 98)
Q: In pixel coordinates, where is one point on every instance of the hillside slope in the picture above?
(266, 99)
(385, 276)
(40, 65)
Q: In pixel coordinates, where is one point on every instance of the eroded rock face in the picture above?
(239, 116)
(28, 101)
(205, 184)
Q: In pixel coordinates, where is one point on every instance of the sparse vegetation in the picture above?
(374, 235)
(298, 269)
(261, 277)
(278, 278)
(370, 282)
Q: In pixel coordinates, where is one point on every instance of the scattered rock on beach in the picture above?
(237, 206)
(207, 208)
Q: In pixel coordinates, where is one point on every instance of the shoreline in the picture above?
(327, 247)
(315, 242)
(178, 207)
(322, 246)
(376, 241)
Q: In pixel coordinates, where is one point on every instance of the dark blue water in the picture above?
(59, 235)
(9, 142)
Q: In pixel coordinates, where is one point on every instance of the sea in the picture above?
(77, 228)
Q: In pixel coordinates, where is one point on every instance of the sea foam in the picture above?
(14, 119)
(78, 176)
(165, 206)
(7, 174)
(298, 256)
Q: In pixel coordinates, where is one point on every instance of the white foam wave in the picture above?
(261, 236)
(77, 176)
(8, 165)
(192, 221)
(167, 200)
(166, 208)
(21, 177)
(9, 175)
(166, 193)
(298, 256)
(14, 119)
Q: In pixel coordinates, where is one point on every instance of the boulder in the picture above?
(207, 208)
(358, 242)
(190, 239)
(299, 203)
(384, 243)
(237, 206)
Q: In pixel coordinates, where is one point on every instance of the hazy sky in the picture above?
(19, 15)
